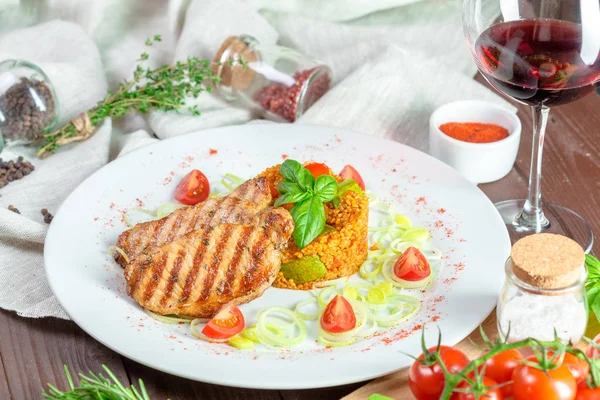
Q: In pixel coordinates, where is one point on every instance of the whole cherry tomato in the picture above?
(588, 394)
(579, 368)
(426, 378)
(530, 383)
(490, 394)
(501, 366)
(591, 351)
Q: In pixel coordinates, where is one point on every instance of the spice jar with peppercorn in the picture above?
(277, 82)
(544, 291)
(28, 103)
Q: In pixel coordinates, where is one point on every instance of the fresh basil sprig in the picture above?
(300, 187)
(592, 285)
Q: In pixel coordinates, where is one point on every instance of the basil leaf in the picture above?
(326, 188)
(295, 173)
(596, 309)
(292, 198)
(289, 187)
(309, 220)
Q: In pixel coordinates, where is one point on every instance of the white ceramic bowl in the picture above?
(478, 162)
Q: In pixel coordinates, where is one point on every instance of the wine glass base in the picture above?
(562, 221)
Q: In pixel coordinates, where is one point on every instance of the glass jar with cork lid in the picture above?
(544, 291)
(28, 102)
(274, 81)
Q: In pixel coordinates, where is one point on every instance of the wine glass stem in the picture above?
(532, 217)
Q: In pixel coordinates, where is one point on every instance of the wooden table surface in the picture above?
(32, 352)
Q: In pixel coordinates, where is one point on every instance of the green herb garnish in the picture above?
(592, 285)
(300, 187)
(97, 387)
(166, 88)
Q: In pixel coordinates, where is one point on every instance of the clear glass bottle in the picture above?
(274, 81)
(525, 310)
(28, 102)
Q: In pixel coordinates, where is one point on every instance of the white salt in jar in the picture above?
(544, 291)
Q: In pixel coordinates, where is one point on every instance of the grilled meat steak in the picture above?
(239, 207)
(199, 273)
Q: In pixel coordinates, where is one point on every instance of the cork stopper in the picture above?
(234, 76)
(547, 261)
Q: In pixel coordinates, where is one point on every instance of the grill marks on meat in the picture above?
(239, 207)
(197, 274)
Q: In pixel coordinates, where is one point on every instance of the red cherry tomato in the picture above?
(338, 316)
(588, 394)
(412, 265)
(490, 394)
(348, 172)
(591, 351)
(227, 323)
(578, 367)
(318, 169)
(426, 382)
(193, 188)
(501, 366)
(531, 383)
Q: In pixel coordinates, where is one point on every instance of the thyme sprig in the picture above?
(165, 88)
(540, 348)
(97, 387)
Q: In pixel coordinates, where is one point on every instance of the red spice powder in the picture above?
(474, 132)
(441, 210)
(284, 156)
(421, 200)
(212, 152)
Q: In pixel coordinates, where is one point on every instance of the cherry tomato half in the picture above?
(412, 265)
(193, 188)
(348, 172)
(318, 169)
(490, 394)
(501, 366)
(426, 382)
(531, 383)
(227, 323)
(338, 316)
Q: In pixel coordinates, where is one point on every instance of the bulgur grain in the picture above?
(342, 250)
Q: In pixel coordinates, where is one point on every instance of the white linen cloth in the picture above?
(394, 62)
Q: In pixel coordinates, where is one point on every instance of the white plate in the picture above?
(91, 288)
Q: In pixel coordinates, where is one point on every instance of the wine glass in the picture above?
(543, 53)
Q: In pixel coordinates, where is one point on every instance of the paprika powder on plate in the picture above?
(474, 132)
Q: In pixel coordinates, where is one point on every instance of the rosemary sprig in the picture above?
(97, 387)
(165, 88)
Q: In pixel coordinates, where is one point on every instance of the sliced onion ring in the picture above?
(307, 316)
(291, 338)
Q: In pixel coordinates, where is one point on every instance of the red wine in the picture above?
(539, 61)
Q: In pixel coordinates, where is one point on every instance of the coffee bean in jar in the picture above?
(28, 106)
(274, 81)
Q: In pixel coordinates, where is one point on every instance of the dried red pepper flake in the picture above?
(283, 100)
